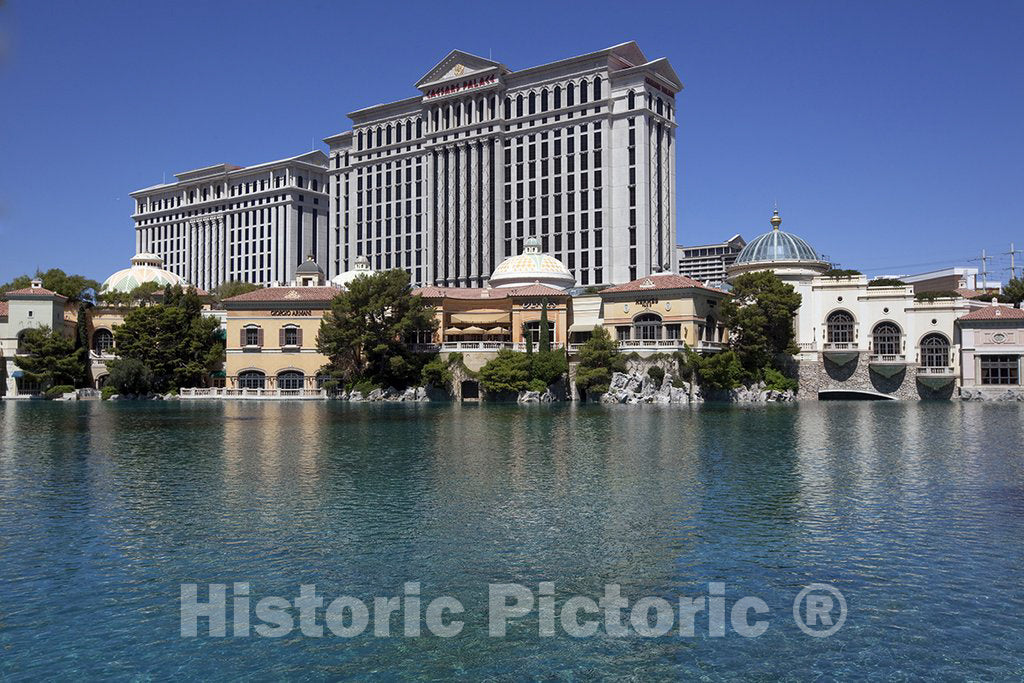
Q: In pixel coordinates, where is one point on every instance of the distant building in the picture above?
(707, 263)
(20, 311)
(965, 281)
(254, 224)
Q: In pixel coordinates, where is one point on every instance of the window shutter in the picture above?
(280, 337)
(260, 336)
(242, 341)
(298, 336)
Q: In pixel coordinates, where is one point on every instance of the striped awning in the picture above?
(481, 318)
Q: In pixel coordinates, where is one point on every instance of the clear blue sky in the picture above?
(890, 133)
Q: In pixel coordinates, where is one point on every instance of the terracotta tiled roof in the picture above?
(995, 313)
(661, 281)
(432, 292)
(537, 290)
(3, 309)
(33, 291)
(970, 293)
(285, 294)
(487, 294)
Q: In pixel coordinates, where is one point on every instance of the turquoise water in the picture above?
(915, 512)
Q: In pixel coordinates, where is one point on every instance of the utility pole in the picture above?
(984, 270)
(1013, 254)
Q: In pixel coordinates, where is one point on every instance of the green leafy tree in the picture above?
(364, 334)
(74, 287)
(545, 333)
(760, 319)
(51, 358)
(528, 338)
(1013, 292)
(130, 376)
(178, 344)
(508, 372)
(886, 282)
(548, 366)
(435, 373)
(721, 371)
(233, 288)
(142, 295)
(598, 358)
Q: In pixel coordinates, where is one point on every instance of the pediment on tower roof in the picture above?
(459, 64)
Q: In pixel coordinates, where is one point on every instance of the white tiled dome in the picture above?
(361, 267)
(145, 268)
(532, 267)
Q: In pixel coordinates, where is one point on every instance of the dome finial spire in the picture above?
(776, 219)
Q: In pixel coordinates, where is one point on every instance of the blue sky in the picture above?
(889, 133)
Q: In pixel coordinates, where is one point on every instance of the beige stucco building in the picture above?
(991, 347)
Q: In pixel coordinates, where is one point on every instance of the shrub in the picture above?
(837, 273)
(507, 372)
(598, 358)
(330, 386)
(886, 282)
(364, 386)
(721, 371)
(436, 373)
(537, 385)
(107, 391)
(773, 379)
(130, 376)
(58, 391)
(548, 366)
(657, 373)
(932, 296)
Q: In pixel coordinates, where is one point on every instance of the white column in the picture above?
(486, 234)
(475, 225)
(452, 228)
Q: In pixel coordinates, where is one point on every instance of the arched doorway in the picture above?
(291, 380)
(252, 379)
(647, 326)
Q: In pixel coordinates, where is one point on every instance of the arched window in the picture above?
(839, 328)
(301, 181)
(647, 326)
(544, 100)
(583, 92)
(886, 339)
(935, 351)
(102, 341)
(419, 128)
(21, 341)
(558, 97)
(519, 105)
(659, 106)
(380, 137)
(631, 99)
(388, 135)
(398, 132)
(359, 142)
(252, 379)
(597, 88)
(314, 185)
(508, 107)
(290, 379)
(533, 103)
(570, 94)
(533, 329)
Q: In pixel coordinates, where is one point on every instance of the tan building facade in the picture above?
(664, 312)
(271, 338)
(992, 349)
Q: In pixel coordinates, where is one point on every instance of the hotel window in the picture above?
(631, 99)
(886, 338)
(102, 341)
(622, 332)
(251, 379)
(533, 329)
(597, 88)
(839, 328)
(647, 326)
(1000, 369)
(935, 351)
(252, 336)
(291, 380)
(291, 336)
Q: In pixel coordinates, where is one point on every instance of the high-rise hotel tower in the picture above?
(579, 153)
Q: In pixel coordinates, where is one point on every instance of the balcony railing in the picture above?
(888, 358)
(223, 392)
(477, 346)
(936, 370)
(839, 346)
(106, 354)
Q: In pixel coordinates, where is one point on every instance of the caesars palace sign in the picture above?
(462, 86)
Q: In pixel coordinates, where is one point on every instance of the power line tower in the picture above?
(984, 269)
(1013, 269)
